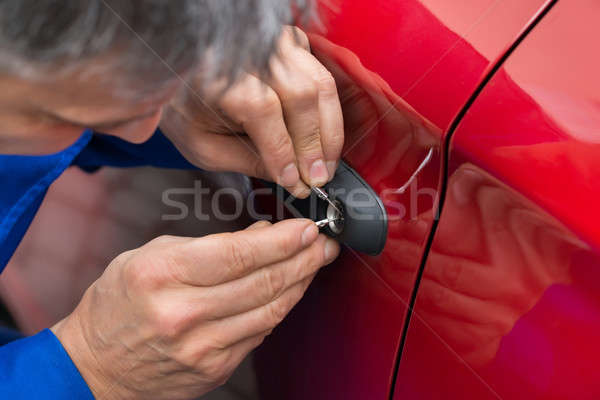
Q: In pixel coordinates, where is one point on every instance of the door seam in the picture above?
(487, 75)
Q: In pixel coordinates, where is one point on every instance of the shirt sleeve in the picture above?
(38, 367)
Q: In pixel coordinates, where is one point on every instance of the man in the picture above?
(88, 83)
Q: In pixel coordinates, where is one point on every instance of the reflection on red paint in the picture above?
(350, 317)
(403, 72)
(509, 304)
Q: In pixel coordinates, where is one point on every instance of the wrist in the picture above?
(72, 336)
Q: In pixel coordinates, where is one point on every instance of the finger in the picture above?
(259, 224)
(479, 280)
(463, 337)
(264, 285)
(330, 112)
(257, 109)
(239, 351)
(251, 323)
(217, 152)
(293, 36)
(438, 299)
(473, 278)
(222, 361)
(299, 97)
(345, 65)
(219, 258)
(213, 149)
(166, 240)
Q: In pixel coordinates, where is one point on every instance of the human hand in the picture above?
(173, 318)
(287, 127)
(372, 109)
(494, 256)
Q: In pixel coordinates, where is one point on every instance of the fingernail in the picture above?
(332, 249)
(289, 175)
(310, 234)
(300, 192)
(331, 167)
(318, 173)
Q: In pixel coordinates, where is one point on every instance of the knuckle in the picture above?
(259, 339)
(281, 147)
(223, 378)
(257, 168)
(519, 294)
(262, 104)
(162, 239)
(205, 158)
(169, 322)
(241, 255)
(440, 297)
(504, 324)
(302, 38)
(310, 141)
(336, 140)
(302, 95)
(300, 292)
(279, 152)
(276, 311)
(216, 368)
(326, 84)
(122, 259)
(286, 244)
(451, 274)
(274, 282)
(139, 274)
(298, 35)
(309, 262)
(316, 257)
(261, 224)
(306, 283)
(436, 297)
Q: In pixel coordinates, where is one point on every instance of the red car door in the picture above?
(508, 305)
(404, 70)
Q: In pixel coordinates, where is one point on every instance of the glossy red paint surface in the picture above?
(404, 69)
(509, 306)
(432, 53)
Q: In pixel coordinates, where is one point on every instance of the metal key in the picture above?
(324, 196)
(322, 223)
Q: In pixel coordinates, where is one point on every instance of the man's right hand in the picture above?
(173, 318)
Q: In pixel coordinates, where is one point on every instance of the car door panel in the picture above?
(404, 69)
(432, 53)
(508, 305)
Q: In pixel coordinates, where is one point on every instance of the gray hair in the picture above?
(150, 39)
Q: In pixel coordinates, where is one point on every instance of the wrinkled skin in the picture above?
(295, 120)
(173, 318)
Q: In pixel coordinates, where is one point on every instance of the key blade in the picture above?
(324, 196)
(320, 192)
(322, 223)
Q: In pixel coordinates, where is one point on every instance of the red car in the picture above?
(477, 122)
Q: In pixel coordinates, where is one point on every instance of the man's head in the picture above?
(109, 64)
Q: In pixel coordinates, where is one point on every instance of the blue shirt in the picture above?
(38, 367)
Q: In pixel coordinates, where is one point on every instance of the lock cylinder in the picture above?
(360, 221)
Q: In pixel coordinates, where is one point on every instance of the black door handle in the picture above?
(363, 226)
